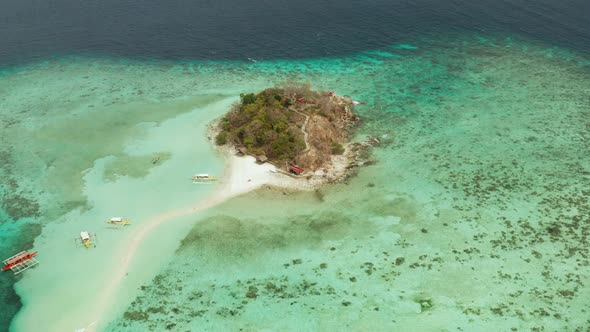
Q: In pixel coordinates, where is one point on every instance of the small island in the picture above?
(300, 131)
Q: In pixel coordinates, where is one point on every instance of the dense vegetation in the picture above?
(264, 124)
(290, 125)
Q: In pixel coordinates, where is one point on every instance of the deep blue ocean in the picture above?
(31, 30)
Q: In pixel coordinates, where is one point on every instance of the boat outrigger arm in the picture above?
(20, 262)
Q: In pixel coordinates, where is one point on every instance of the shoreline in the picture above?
(336, 170)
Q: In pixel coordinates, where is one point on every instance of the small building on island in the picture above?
(242, 151)
(295, 170)
(261, 159)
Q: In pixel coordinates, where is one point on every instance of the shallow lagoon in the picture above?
(474, 216)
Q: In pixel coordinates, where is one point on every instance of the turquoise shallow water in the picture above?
(474, 216)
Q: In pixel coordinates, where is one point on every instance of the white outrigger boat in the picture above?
(119, 221)
(199, 178)
(86, 238)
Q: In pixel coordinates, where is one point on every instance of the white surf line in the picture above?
(84, 329)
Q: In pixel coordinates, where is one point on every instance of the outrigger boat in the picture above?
(86, 238)
(20, 262)
(119, 221)
(203, 178)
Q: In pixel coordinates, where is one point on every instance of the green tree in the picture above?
(337, 148)
(248, 98)
(249, 142)
(221, 138)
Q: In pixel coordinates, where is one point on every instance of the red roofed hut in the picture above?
(295, 170)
